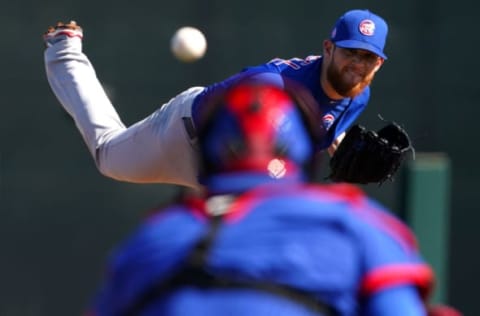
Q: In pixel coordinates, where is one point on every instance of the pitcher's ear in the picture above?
(328, 47)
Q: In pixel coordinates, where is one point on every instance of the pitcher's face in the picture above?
(350, 71)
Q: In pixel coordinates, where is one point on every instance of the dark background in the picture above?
(59, 217)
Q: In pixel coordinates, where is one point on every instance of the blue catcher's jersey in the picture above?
(336, 116)
(331, 242)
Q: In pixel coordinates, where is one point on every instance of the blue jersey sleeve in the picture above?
(390, 254)
(397, 301)
(149, 254)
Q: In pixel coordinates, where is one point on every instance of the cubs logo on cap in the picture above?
(367, 27)
(361, 29)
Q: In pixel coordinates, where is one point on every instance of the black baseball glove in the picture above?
(368, 156)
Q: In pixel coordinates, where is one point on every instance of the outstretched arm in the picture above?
(156, 149)
(73, 80)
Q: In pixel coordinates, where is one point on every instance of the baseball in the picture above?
(188, 44)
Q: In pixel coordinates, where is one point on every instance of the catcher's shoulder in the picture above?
(378, 216)
(371, 213)
(350, 194)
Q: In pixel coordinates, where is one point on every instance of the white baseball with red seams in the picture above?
(188, 44)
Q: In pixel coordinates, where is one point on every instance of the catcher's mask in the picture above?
(256, 128)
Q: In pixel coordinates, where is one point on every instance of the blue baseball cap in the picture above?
(361, 29)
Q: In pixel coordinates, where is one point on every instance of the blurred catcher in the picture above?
(262, 240)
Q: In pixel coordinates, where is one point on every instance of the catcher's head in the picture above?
(256, 129)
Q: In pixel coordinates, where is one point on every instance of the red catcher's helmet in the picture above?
(256, 128)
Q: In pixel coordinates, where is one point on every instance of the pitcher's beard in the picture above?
(344, 88)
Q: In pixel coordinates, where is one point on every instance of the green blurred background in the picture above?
(59, 217)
